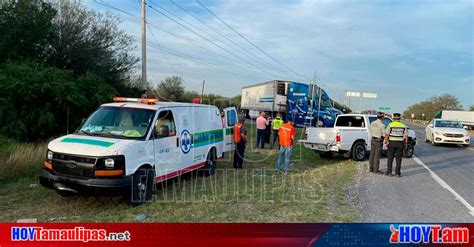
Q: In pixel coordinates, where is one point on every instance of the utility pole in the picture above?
(144, 79)
(319, 101)
(202, 90)
(309, 114)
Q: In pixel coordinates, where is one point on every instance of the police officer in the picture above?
(276, 124)
(377, 131)
(396, 135)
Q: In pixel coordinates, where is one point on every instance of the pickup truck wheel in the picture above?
(408, 150)
(325, 155)
(142, 187)
(358, 151)
(209, 168)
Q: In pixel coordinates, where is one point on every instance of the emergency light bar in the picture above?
(144, 101)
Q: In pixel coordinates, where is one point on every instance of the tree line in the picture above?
(172, 89)
(57, 68)
(428, 108)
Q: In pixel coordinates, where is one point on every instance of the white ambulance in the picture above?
(132, 144)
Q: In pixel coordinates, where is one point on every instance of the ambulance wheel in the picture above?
(142, 186)
(211, 162)
(358, 151)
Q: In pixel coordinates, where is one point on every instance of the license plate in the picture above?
(321, 147)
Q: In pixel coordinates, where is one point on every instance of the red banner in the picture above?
(204, 234)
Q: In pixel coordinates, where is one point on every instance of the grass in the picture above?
(20, 159)
(315, 190)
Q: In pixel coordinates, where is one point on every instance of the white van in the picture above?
(132, 144)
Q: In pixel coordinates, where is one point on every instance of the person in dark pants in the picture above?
(262, 124)
(397, 136)
(268, 132)
(276, 124)
(240, 140)
(377, 132)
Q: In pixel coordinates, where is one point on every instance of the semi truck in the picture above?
(465, 117)
(307, 105)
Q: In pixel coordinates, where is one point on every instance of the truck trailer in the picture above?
(465, 117)
(291, 99)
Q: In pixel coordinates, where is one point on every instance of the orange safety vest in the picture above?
(284, 134)
(237, 134)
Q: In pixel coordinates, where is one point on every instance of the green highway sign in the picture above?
(385, 108)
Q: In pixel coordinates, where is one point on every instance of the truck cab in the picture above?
(307, 111)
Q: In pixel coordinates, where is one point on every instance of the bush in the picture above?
(35, 100)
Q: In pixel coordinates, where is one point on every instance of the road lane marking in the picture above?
(445, 186)
(472, 149)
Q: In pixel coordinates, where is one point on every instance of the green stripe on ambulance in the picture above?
(208, 137)
(88, 142)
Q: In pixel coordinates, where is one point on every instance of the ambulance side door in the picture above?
(166, 143)
(231, 119)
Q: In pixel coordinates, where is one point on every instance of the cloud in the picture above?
(405, 51)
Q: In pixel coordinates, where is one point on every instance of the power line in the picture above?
(164, 54)
(178, 54)
(195, 60)
(246, 39)
(206, 39)
(198, 61)
(170, 33)
(270, 67)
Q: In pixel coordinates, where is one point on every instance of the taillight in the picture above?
(338, 138)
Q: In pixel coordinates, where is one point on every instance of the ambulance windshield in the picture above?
(118, 122)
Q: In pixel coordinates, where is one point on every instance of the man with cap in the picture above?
(377, 132)
(286, 134)
(240, 140)
(396, 135)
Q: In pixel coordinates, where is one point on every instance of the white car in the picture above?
(131, 144)
(446, 131)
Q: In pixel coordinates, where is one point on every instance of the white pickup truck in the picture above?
(349, 136)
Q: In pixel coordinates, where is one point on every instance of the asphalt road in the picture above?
(437, 185)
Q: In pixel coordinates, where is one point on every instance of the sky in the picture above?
(404, 51)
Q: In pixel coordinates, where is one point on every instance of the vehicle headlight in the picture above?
(439, 133)
(49, 155)
(329, 117)
(109, 163)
